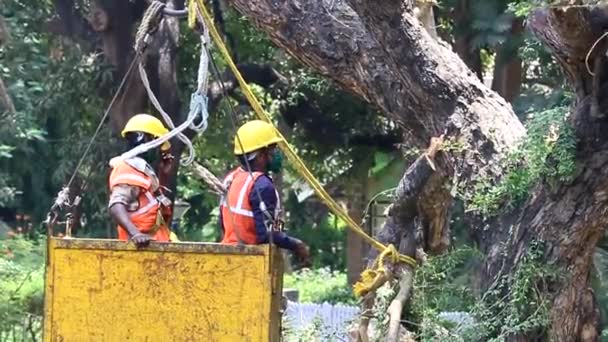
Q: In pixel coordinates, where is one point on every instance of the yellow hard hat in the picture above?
(253, 136)
(147, 123)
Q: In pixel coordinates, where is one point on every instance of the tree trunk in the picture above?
(406, 276)
(463, 38)
(356, 200)
(508, 71)
(109, 28)
(568, 219)
(6, 102)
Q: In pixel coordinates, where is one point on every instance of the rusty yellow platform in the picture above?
(107, 290)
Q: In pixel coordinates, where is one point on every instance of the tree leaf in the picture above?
(381, 161)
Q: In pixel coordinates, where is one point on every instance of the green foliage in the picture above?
(324, 233)
(548, 153)
(21, 289)
(320, 285)
(484, 25)
(384, 296)
(54, 119)
(381, 161)
(541, 69)
(315, 331)
(517, 304)
(442, 284)
(522, 8)
(490, 23)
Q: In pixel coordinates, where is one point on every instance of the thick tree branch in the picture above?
(569, 33)
(263, 75)
(72, 24)
(389, 60)
(406, 282)
(399, 229)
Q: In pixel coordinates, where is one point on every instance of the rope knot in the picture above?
(198, 107)
(373, 278)
(149, 25)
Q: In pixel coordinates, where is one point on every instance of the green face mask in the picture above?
(275, 164)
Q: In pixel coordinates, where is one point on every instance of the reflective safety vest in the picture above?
(237, 214)
(148, 217)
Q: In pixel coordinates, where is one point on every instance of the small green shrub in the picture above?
(548, 153)
(21, 289)
(320, 285)
(442, 284)
(315, 331)
(517, 304)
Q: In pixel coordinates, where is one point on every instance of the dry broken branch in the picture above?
(406, 281)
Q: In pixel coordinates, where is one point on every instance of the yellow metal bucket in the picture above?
(107, 290)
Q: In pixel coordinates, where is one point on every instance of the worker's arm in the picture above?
(121, 197)
(266, 190)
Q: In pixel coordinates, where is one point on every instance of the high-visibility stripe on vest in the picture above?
(237, 213)
(148, 218)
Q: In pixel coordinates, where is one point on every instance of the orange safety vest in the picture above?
(237, 214)
(148, 218)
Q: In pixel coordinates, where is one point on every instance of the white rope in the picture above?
(198, 106)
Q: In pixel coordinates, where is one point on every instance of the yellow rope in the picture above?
(372, 278)
(198, 5)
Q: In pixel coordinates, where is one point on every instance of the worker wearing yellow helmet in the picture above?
(250, 211)
(137, 200)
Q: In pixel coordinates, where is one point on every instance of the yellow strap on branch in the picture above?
(373, 278)
(298, 164)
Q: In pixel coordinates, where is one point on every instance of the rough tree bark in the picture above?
(381, 54)
(570, 218)
(356, 193)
